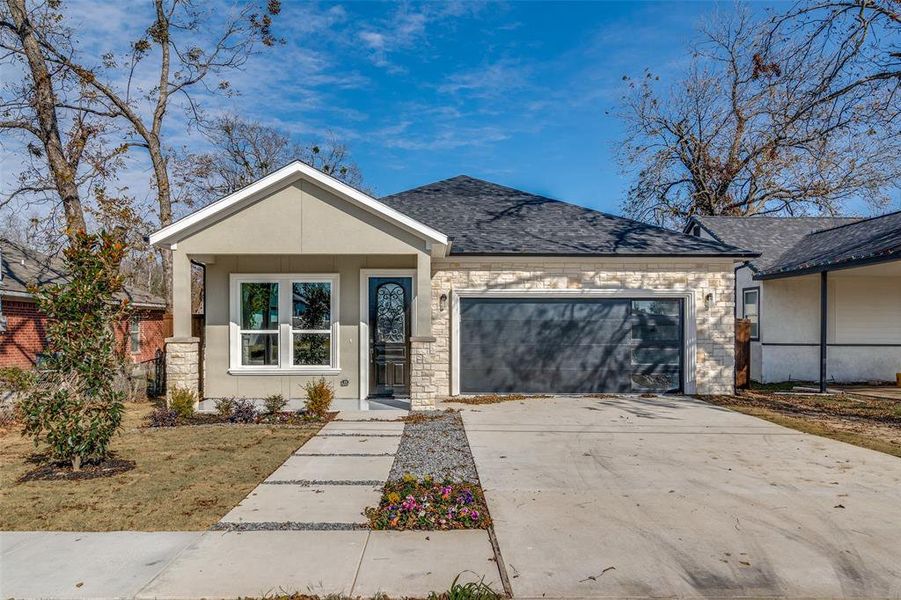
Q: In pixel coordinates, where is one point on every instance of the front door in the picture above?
(389, 342)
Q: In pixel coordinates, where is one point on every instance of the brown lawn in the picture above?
(867, 422)
(184, 478)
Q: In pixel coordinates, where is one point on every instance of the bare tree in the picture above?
(187, 45)
(46, 110)
(761, 124)
(244, 151)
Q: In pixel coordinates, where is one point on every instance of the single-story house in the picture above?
(22, 326)
(457, 287)
(824, 296)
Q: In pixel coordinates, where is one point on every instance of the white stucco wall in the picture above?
(863, 328)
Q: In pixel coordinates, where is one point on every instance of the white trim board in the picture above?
(171, 234)
(689, 317)
(365, 274)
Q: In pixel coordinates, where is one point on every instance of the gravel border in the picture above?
(289, 526)
(298, 453)
(311, 482)
(435, 447)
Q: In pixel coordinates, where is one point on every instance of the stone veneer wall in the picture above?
(715, 360)
(182, 365)
(424, 378)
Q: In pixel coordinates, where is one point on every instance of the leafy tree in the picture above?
(792, 115)
(74, 405)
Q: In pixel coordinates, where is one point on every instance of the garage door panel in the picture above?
(510, 379)
(550, 333)
(569, 345)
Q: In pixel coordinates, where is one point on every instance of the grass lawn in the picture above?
(867, 422)
(185, 478)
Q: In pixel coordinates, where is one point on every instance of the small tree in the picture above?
(74, 405)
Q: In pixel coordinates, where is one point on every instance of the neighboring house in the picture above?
(457, 287)
(23, 335)
(851, 265)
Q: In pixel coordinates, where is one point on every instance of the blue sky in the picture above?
(520, 93)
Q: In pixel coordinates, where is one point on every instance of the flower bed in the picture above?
(429, 505)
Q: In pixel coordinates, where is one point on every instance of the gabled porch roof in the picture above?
(292, 172)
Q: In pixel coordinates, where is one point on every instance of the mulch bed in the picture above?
(295, 419)
(495, 398)
(63, 471)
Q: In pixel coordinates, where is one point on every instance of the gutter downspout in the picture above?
(824, 289)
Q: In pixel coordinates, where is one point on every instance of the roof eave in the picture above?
(848, 264)
(291, 172)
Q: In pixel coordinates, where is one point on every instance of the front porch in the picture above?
(275, 323)
(304, 278)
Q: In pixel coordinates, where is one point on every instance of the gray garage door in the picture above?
(566, 346)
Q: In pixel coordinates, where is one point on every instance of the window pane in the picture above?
(135, 334)
(312, 305)
(312, 349)
(668, 308)
(259, 306)
(655, 356)
(754, 329)
(259, 349)
(652, 331)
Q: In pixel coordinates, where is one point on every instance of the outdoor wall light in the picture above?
(708, 300)
(442, 302)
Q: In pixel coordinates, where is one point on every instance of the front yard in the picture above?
(867, 422)
(184, 478)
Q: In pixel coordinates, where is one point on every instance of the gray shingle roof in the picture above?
(24, 266)
(861, 242)
(772, 237)
(483, 218)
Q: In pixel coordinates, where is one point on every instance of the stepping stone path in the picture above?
(303, 530)
(329, 481)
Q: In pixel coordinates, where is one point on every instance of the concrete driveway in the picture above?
(635, 497)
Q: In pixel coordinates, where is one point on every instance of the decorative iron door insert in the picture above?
(389, 330)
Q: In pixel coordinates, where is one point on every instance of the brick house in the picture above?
(22, 326)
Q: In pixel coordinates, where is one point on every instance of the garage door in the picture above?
(568, 346)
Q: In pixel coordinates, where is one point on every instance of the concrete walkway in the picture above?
(673, 497)
(303, 530)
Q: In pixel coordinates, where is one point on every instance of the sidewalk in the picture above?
(301, 530)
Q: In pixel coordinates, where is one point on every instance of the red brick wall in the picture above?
(25, 336)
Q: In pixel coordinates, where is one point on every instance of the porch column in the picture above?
(423, 355)
(423, 295)
(824, 292)
(182, 349)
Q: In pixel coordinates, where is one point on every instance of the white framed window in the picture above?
(284, 323)
(751, 310)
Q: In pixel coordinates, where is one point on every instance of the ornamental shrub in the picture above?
(274, 404)
(224, 406)
(320, 394)
(73, 405)
(182, 402)
(243, 411)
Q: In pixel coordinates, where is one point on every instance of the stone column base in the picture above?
(182, 365)
(423, 387)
